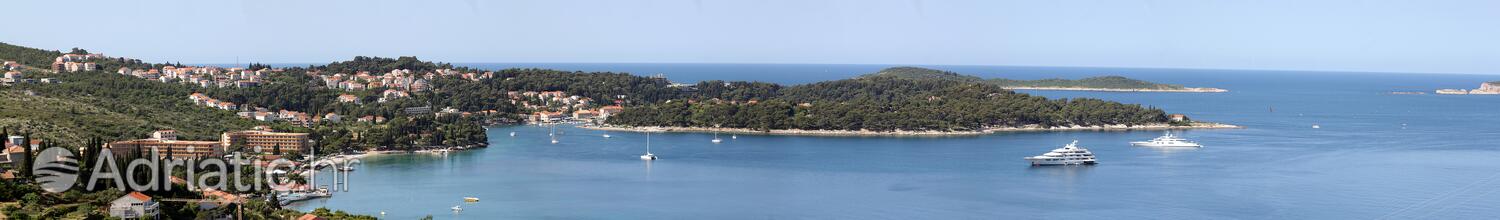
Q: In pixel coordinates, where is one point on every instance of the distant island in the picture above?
(901, 101)
(1488, 88)
(1101, 83)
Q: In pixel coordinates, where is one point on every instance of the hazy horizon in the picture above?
(1329, 36)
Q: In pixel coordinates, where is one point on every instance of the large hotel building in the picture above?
(264, 141)
(167, 145)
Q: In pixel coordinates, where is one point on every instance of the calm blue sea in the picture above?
(1377, 155)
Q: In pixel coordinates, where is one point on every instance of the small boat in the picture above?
(471, 199)
(606, 136)
(648, 155)
(457, 209)
(716, 138)
(1167, 140)
(512, 134)
(1066, 155)
(1315, 126)
(346, 168)
(734, 137)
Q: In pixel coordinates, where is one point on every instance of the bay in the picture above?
(1376, 155)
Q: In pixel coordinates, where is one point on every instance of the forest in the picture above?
(1099, 82)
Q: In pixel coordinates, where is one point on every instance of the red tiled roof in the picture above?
(139, 196)
(309, 217)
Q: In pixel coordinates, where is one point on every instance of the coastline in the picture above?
(799, 132)
(1189, 89)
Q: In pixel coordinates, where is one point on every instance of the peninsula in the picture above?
(1488, 88)
(1101, 83)
(901, 101)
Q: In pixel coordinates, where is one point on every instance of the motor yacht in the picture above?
(1067, 155)
(1167, 140)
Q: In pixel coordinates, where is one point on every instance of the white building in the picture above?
(133, 205)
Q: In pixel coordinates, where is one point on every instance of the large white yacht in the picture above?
(1067, 155)
(1167, 140)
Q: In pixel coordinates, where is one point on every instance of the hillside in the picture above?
(98, 104)
(109, 106)
(33, 57)
(1107, 83)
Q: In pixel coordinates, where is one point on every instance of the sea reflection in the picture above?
(1067, 173)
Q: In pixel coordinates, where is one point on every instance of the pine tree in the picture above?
(27, 164)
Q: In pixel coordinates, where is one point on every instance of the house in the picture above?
(607, 111)
(265, 116)
(309, 217)
(332, 117)
(216, 198)
(133, 205)
(12, 154)
(585, 114)
(549, 116)
(393, 94)
(347, 98)
(1178, 117)
(247, 83)
(166, 135)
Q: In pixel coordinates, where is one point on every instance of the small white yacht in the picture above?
(716, 138)
(1067, 155)
(606, 136)
(1167, 140)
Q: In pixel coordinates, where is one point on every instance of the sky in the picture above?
(1437, 36)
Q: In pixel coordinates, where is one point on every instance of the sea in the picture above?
(1373, 155)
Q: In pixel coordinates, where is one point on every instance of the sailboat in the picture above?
(553, 134)
(716, 138)
(734, 136)
(648, 155)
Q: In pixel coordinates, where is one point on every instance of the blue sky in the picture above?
(1380, 36)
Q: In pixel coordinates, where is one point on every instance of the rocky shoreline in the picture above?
(1488, 88)
(1190, 89)
(798, 132)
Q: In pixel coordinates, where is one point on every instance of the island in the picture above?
(1487, 88)
(901, 101)
(1100, 83)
